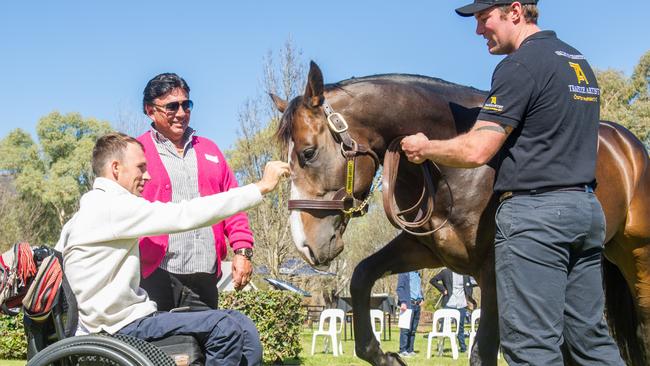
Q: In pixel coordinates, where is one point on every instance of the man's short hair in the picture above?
(531, 12)
(108, 147)
(160, 85)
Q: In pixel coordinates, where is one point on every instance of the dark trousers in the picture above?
(407, 336)
(549, 281)
(461, 328)
(160, 288)
(227, 336)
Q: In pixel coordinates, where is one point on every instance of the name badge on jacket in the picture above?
(212, 158)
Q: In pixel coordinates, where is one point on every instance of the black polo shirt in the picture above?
(548, 93)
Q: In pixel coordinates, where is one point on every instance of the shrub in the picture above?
(278, 316)
(13, 344)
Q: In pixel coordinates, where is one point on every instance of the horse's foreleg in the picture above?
(486, 345)
(402, 254)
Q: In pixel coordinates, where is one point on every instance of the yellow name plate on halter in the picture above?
(349, 181)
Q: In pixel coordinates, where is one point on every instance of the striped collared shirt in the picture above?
(191, 251)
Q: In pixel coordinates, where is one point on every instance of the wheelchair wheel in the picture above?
(119, 350)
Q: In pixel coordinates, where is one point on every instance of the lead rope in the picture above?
(425, 203)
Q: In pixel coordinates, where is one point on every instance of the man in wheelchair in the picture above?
(101, 255)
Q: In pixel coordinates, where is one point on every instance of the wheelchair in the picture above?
(51, 339)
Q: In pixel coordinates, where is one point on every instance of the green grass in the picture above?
(12, 363)
(321, 359)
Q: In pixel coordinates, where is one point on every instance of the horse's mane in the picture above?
(435, 84)
(286, 123)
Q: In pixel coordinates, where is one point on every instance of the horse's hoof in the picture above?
(393, 359)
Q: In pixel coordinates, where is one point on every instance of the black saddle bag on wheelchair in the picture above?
(34, 278)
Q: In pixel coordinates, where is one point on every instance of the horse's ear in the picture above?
(314, 91)
(280, 103)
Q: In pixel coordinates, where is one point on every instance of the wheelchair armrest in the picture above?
(184, 309)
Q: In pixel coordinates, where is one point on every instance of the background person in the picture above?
(409, 296)
(101, 257)
(184, 166)
(541, 117)
(456, 293)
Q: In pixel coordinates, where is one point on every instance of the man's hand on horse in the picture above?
(414, 147)
(241, 271)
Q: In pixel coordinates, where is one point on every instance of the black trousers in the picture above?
(548, 250)
(163, 288)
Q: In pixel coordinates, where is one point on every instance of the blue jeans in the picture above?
(549, 281)
(407, 336)
(227, 336)
(461, 329)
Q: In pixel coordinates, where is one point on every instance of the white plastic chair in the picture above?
(335, 318)
(377, 316)
(474, 320)
(447, 316)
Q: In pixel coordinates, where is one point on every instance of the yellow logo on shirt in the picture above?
(579, 73)
(491, 104)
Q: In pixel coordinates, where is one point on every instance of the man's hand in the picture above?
(241, 271)
(414, 147)
(273, 172)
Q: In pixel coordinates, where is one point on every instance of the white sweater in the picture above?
(101, 257)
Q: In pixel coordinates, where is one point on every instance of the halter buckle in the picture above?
(337, 123)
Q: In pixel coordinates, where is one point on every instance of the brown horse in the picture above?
(349, 125)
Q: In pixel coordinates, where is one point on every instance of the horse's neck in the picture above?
(379, 131)
(381, 112)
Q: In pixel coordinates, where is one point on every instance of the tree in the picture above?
(131, 123)
(255, 146)
(627, 100)
(19, 218)
(54, 175)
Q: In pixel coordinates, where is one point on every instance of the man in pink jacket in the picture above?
(184, 166)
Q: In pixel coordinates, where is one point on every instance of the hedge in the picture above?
(13, 344)
(278, 316)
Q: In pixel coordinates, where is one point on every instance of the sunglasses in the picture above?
(187, 106)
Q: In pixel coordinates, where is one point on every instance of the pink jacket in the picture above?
(214, 176)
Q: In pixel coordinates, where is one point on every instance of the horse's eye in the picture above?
(308, 154)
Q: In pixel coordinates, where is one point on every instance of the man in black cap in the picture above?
(539, 128)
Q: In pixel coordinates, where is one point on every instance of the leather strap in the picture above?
(531, 192)
(424, 207)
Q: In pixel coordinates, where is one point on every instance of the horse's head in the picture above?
(321, 157)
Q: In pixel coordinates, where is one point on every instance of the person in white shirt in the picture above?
(101, 254)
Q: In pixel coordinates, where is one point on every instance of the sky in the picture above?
(95, 57)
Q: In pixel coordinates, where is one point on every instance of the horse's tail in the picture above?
(622, 316)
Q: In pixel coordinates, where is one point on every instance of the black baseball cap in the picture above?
(480, 5)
